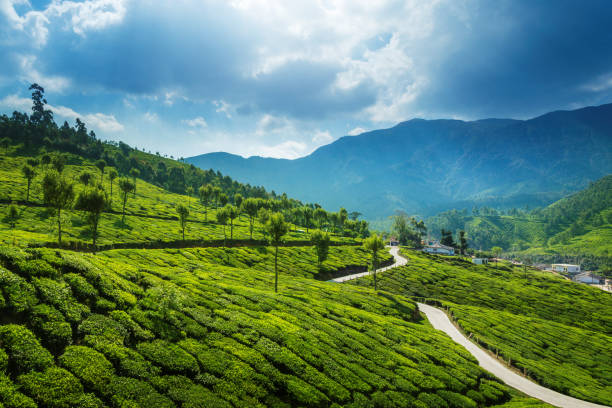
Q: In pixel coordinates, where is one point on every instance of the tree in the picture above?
(405, 234)
(222, 217)
(183, 213)
(216, 193)
(58, 162)
(497, 252)
(5, 142)
(45, 160)
(463, 245)
(447, 238)
(342, 217)
(320, 240)
(28, 173)
(276, 227)
(232, 213)
(126, 187)
(223, 199)
(189, 192)
(307, 215)
(238, 200)
(93, 201)
(374, 244)
(320, 217)
(59, 194)
(101, 165)
(206, 193)
(32, 162)
(40, 115)
(112, 175)
(86, 178)
(354, 215)
(250, 208)
(134, 173)
(12, 215)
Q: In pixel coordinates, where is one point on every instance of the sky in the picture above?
(279, 78)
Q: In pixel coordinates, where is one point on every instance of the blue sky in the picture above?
(279, 78)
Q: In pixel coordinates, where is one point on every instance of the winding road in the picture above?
(440, 321)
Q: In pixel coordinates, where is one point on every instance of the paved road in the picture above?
(399, 261)
(440, 321)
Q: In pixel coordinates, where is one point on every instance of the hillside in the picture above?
(427, 166)
(557, 331)
(577, 228)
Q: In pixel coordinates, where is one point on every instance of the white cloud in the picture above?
(28, 73)
(602, 83)
(197, 122)
(16, 103)
(290, 149)
(95, 121)
(322, 137)
(80, 17)
(356, 131)
(223, 107)
(151, 117)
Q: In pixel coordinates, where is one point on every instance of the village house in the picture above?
(480, 261)
(393, 241)
(566, 268)
(438, 248)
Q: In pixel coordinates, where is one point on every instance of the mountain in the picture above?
(576, 228)
(427, 166)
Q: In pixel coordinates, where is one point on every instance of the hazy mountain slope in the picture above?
(425, 166)
(578, 226)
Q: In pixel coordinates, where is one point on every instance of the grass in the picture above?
(151, 215)
(164, 328)
(557, 330)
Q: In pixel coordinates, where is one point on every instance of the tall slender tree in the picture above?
(29, 173)
(58, 193)
(222, 217)
(183, 213)
(320, 241)
(93, 201)
(374, 244)
(250, 207)
(112, 175)
(134, 173)
(101, 165)
(189, 191)
(126, 187)
(276, 228)
(206, 193)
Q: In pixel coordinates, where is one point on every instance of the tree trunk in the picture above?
(231, 229)
(183, 234)
(374, 265)
(28, 192)
(251, 227)
(95, 232)
(59, 226)
(124, 202)
(276, 270)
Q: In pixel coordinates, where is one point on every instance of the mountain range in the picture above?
(426, 166)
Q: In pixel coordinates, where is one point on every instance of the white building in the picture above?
(566, 268)
(437, 248)
(480, 261)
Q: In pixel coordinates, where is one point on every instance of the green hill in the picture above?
(576, 228)
(557, 331)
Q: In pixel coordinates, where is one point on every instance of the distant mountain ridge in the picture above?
(426, 166)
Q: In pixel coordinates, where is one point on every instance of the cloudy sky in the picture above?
(279, 78)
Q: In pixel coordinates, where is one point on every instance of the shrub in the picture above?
(53, 388)
(105, 306)
(4, 358)
(49, 323)
(81, 289)
(170, 357)
(59, 295)
(99, 325)
(126, 361)
(432, 400)
(456, 400)
(19, 294)
(24, 350)
(11, 398)
(188, 394)
(91, 367)
(36, 267)
(139, 393)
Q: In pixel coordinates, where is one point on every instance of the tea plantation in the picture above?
(557, 331)
(165, 328)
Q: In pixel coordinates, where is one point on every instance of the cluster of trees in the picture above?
(409, 231)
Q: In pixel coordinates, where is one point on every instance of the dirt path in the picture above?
(399, 261)
(440, 321)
